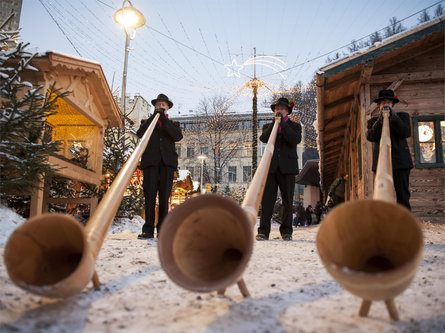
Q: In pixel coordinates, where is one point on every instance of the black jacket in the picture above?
(285, 152)
(400, 129)
(161, 145)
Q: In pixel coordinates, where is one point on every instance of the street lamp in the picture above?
(202, 158)
(129, 18)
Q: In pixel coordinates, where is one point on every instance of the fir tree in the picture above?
(24, 150)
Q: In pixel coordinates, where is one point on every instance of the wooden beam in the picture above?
(340, 101)
(334, 141)
(365, 75)
(401, 55)
(340, 117)
(348, 79)
(414, 76)
(334, 130)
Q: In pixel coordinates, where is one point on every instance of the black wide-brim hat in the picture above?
(283, 101)
(387, 94)
(162, 97)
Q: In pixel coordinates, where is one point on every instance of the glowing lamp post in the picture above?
(129, 18)
(202, 158)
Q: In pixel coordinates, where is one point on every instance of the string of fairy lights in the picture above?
(186, 58)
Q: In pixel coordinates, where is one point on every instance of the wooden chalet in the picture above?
(412, 64)
(80, 122)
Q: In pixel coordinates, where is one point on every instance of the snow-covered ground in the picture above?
(290, 292)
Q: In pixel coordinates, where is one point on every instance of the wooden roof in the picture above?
(338, 87)
(86, 77)
(309, 175)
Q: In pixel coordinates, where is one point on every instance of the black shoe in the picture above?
(261, 237)
(287, 237)
(145, 235)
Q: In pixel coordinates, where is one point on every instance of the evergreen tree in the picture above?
(24, 149)
(114, 157)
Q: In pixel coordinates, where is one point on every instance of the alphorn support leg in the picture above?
(243, 288)
(96, 282)
(391, 307)
(364, 308)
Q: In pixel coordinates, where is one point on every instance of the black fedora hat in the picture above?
(162, 97)
(285, 102)
(387, 94)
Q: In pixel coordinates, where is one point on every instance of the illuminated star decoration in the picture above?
(233, 69)
(277, 65)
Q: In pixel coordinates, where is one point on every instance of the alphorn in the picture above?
(53, 255)
(206, 242)
(372, 248)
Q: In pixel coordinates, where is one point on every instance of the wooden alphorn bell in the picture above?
(206, 242)
(372, 248)
(53, 255)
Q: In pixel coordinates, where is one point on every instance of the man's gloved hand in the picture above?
(160, 111)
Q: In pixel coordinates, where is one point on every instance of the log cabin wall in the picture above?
(412, 64)
(421, 94)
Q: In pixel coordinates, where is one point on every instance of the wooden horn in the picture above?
(206, 243)
(53, 255)
(372, 248)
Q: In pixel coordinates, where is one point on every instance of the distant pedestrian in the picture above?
(309, 212)
(300, 215)
(318, 211)
(337, 190)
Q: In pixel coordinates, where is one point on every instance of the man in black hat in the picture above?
(282, 171)
(159, 161)
(400, 129)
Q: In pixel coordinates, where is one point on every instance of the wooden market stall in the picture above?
(412, 64)
(81, 119)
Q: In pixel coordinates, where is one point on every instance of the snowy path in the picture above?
(291, 292)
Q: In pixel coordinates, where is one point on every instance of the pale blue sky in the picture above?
(216, 32)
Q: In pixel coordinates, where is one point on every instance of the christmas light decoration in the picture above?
(277, 65)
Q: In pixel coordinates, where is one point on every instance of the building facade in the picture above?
(234, 142)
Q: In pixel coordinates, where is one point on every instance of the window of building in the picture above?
(261, 123)
(233, 148)
(205, 151)
(248, 149)
(247, 173)
(263, 146)
(232, 174)
(190, 151)
(429, 141)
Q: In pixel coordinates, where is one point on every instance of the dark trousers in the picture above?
(157, 178)
(401, 185)
(286, 184)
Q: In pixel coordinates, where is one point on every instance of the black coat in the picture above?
(400, 129)
(161, 145)
(285, 152)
